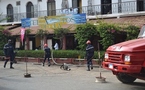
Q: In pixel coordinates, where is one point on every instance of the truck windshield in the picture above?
(142, 32)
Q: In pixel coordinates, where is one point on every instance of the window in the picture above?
(119, 6)
(18, 3)
(51, 10)
(106, 6)
(140, 5)
(10, 13)
(75, 3)
(29, 10)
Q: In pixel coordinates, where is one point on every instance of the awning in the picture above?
(34, 29)
(133, 20)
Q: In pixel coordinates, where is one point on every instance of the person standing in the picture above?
(89, 55)
(9, 53)
(56, 46)
(47, 54)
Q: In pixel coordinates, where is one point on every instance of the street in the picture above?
(54, 78)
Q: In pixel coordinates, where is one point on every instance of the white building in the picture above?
(18, 9)
(15, 10)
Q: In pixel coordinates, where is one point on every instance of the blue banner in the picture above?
(25, 22)
(76, 18)
(79, 18)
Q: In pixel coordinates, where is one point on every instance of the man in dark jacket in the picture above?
(47, 54)
(9, 53)
(89, 54)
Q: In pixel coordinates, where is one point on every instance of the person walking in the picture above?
(89, 55)
(9, 53)
(47, 54)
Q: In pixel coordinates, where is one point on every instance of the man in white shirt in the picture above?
(56, 46)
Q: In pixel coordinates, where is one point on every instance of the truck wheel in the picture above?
(124, 78)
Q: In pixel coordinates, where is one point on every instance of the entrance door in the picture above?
(10, 13)
(106, 7)
(140, 5)
(51, 10)
(77, 4)
(30, 10)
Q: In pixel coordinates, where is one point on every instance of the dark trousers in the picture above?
(46, 57)
(11, 61)
(89, 61)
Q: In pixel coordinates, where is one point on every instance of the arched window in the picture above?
(10, 13)
(51, 9)
(29, 10)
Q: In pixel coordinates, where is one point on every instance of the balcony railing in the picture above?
(102, 9)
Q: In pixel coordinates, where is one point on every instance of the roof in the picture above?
(135, 20)
(34, 29)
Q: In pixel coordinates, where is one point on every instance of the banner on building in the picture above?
(50, 22)
(28, 22)
(22, 34)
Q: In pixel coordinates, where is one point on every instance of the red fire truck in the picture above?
(127, 59)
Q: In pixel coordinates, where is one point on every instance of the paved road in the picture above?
(53, 78)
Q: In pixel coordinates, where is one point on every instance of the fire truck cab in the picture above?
(127, 59)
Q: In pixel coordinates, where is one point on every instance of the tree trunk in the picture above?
(45, 39)
(27, 43)
(64, 43)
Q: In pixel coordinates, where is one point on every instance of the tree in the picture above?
(42, 34)
(132, 32)
(27, 32)
(4, 35)
(83, 33)
(60, 34)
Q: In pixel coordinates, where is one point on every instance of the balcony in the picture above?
(129, 8)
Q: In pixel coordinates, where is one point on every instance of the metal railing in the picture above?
(102, 9)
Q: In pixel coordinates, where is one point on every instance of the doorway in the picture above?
(106, 7)
(77, 4)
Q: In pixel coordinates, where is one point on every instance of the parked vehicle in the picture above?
(127, 59)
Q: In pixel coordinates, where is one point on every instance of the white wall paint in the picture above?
(41, 5)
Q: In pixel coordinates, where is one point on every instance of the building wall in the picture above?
(43, 5)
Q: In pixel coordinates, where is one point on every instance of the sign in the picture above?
(22, 34)
(70, 11)
(76, 18)
(25, 22)
(50, 22)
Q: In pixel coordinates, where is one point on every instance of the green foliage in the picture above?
(107, 33)
(132, 32)
(4, 35)
(30, 53)
(1, 53)
(60, 32)
(42, 32)
(27, 32)
(56, 53)
(65, 54)
(84, 32)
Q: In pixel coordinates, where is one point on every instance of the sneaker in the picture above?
(49, 64)
(91, 67)
(11, 67)
(42, 64)
(4, 66)
(88, 69)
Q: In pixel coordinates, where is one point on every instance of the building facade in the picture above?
(15, 10)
